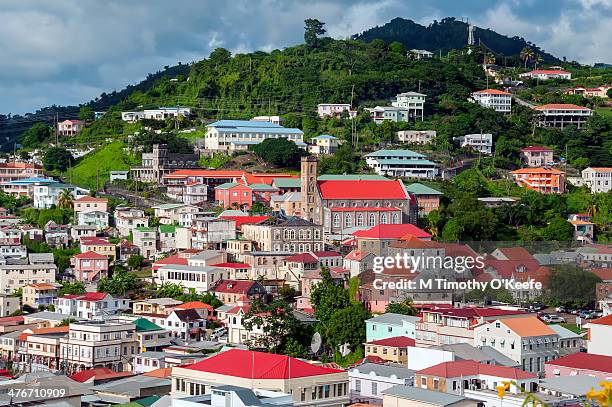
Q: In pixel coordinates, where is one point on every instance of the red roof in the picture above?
(561, 106)
(234, 286)
(492, 92)
(357, 255)
(536, 148)
(327, 253)
(362, 189)
(242, 220)
(585, 361)
(604, 273)
(88, 198)
(91, 240)
(548, 71)
(607, 320)
(174, 259)
(460, 368)
(395, 342)
(364, 208)
(194, 305)
(258, 365)
(90, 296)
(205, 174)
(392, 232)
(232, 265)
(98, 373)
(90, 256)
(301, 258)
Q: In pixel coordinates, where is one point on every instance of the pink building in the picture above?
(234, 195)
(70, 127)
(89, 266)
(90, 204)
(580, 364)
(334, 109)
(536, 156)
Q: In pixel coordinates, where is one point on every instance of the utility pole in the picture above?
(56, 129)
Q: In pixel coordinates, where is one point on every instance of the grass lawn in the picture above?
(571, 327)
(143, 273)
(604, 111)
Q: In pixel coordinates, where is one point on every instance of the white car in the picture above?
(555, 319)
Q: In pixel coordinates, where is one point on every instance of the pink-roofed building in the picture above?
(394, 350)
(89, 266)
(70, 127)
(90, 305)
(99, 245)
(357, 262)
(90, 204)
(377, 239)
(545, 74)
(537, 156)
(231, 292)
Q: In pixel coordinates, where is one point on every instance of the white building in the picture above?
(420, 54)
(238, 135)
(46, 194)
(561, 115)
(368, 380)
(482, 143)
(600, 331)
(98, 219)
(324, 144)
(118, 175)
(413, 101)
(198, 274)
(91, 305)
(127, 219)
(545, 74)
(401, 163)
(335, 109)
(162, 113)
(495, 99)
(89, 344)
(416, 136)
(395, 114)
(598, 179)
(272, 119)
(145, 238)
(170, 214)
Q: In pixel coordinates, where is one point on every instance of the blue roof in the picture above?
(32, 180)
(242, 123)
(248, 126)
(325, 136)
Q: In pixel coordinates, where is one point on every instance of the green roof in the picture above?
(227, 185)
(147, 401)
(144, 229)
(352, 177)
(146, 325)
(395, 153)
(169, 206)
(264, 187)
(167, 229)
(287, 182)
(401, 161)
(420, 189)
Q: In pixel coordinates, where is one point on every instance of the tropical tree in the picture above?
(312, 29)
(538, 60)
(526, 54)
(65, 199)
(489, 58)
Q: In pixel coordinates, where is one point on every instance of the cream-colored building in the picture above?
(14, 276)
(9, 304)
(34, 295)
(310, 385)
(292, 234)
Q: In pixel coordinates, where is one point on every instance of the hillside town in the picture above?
(376, 253)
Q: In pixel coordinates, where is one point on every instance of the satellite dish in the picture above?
(315, 342)
(345, 349)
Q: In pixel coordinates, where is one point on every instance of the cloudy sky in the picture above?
(70, 51)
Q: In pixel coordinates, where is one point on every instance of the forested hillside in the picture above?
(446, 35)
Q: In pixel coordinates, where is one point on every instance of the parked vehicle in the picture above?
(555, 319)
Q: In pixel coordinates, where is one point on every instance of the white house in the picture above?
(127, 219)
(600, 331)
(482, 143)
(335, 109)
(413, 101)
(198, 273)
(401, 163)
(598, 179)
(391, 113)
(545, 74)
(367, 381)
(236, 135)
(46, 194)
(324, 144)
(416, 136)
(495, 99)
(91, 305)
(156, 114)
(98, 219)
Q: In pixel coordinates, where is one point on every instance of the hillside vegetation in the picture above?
(97, 165)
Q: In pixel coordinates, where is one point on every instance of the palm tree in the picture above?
(526, 54)
(489, 58)
(592, 205)
(538, 60)
(65, 199)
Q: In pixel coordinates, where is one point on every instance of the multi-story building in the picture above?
(526, 340)
(495, 99)
(389, 325)
(545, 74)
(416, 136)
(39, 349)
(234, 291)
(561, 115)
(15, 276)
(379, 114)
(9, 304)
(126, 219)
(580, 364)
(335, 110)
(598, 92)
(89, 266)
(237, 135)
(91, 305)
(161, 113)
(70, 127)
(106, 343)
(401, 163)
(598, 341)
(145, 239)
(234, 195)
(413, 101)
(598, 179)
(170, 214)
(379, 239)
(536, 156)
(393, 350)
(39, 294)
(99, 245)
(210, 232)
(369, 380)
(16, 171)
(158, 306)
(428, 199)
(285, 234)
(198, 274)
(46, 194)
(79, 231)
(324, 144)
(309, 384)
(456, 325)
(93, 218)
(481, 143)
(160, 162)
(541, 179)
(90, 203)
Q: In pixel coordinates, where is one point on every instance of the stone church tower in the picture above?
(311, 200)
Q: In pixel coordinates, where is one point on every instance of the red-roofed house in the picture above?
(98, 375)
(562, 115)
(89, 266)
(545, 74)
(580, 364)
(598, 339)
(90, 203)
(495, 99)
(245, 220)
(99, 245)
(90, 305)
(308, 383)
(462, 375)
(377, 240)
(536, 156)
(345, 203)
(393, 350)
(70, 127)
(231, 291)
(357, 262)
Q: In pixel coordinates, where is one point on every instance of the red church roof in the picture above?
(362, 189)
(258, 365)
(392, 232)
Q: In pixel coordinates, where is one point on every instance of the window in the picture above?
(383, 219)
(348, 221)
(358, 386)
(374, 388)
(423, 382)
(336, 220)
(371, 220)
(395, 219)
